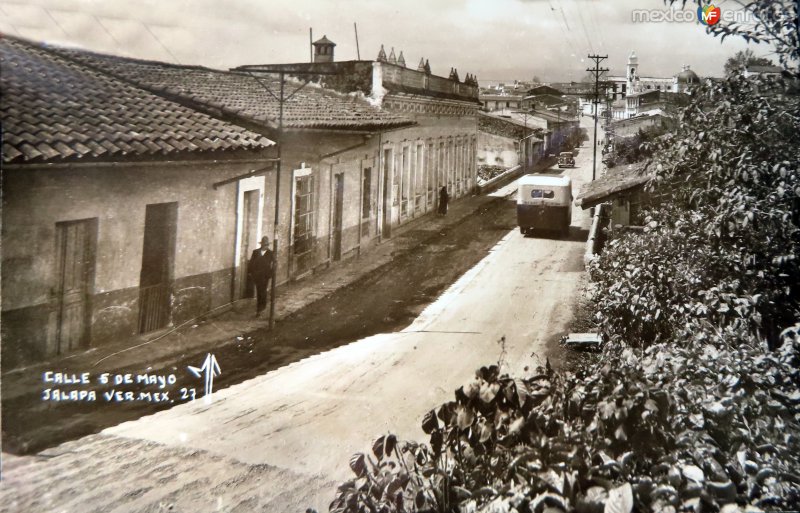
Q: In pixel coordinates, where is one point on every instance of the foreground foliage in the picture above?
(721, 244)
(694, 405)
(669, 428)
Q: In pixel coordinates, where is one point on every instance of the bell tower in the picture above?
(632, 74)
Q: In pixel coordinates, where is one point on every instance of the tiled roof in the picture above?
(241, 94)
(764, 69)
(615, 181)
(55, 110)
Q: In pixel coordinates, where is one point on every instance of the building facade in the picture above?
(123, 212)
(437, 148)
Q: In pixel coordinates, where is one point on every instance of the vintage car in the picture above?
(565, 159)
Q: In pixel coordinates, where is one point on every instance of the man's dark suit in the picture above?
(260, 271)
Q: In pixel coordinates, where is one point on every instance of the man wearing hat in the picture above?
(259, 269)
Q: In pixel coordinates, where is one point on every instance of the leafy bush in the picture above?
(487, 171)
(725, 231)
(634, 148)
(669, 428)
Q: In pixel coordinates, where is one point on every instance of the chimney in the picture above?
(323, 50)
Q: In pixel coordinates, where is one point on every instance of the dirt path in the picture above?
(384, 300)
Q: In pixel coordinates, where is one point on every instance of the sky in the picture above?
(496, 40)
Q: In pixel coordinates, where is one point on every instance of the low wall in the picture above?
(593, 242)
(501, 179)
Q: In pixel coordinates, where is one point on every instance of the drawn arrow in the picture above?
(211, 369)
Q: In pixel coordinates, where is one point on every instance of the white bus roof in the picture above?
(549, 180)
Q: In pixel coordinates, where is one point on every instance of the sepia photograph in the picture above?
(373, 256)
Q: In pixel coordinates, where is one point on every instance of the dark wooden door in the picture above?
(75, 270)
(338, 207)
(386, 195)
(158, 256)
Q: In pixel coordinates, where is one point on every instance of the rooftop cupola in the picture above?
(323, 50)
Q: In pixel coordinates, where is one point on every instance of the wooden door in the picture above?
(386, 195)
(338, 207)
(158, 256)
(75, 255)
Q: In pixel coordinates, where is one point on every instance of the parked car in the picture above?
(565, 159)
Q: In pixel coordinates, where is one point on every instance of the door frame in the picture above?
(253, 183)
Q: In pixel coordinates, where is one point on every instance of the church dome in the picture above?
(687, 76)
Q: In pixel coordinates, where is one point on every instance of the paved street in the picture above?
(281, 441)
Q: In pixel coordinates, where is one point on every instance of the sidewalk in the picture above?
(233, 325)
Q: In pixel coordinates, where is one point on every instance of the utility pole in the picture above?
(597, 70)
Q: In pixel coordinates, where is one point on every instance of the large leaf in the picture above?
(429, 422)
(693, 473)
(464, 416)
(620, 500)
(358, 463)
(377, 447)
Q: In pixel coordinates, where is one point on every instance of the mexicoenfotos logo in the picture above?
(709, 14)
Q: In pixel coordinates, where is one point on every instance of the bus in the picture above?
(544, 203)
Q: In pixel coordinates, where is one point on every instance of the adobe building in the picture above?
(328, 190)
(410, 163)
(123, 212)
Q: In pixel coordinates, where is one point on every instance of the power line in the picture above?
(50, 15)
(593, 21)
(119, 46)
(6, 17)
(561, 28)
(583, 25)
(159, 42)
(597, 70)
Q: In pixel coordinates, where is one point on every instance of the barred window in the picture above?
(304, 214)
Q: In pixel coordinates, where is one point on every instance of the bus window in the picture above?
(540, 194)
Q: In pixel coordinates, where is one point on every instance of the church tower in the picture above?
(632, 74)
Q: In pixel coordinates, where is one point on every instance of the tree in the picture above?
(774, 23)
(743, 59)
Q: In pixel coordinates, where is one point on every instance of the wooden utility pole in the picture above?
(597, 70)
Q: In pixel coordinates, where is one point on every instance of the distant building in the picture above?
(409, 164)
(544, 89)
(557, 130)
(492, 102)
(507, 141)
(636, 90)
(632, 126)
(763, 71)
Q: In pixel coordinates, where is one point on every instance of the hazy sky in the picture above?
(498, 40)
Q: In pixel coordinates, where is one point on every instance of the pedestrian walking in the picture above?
(259, 270)
(443, 199)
